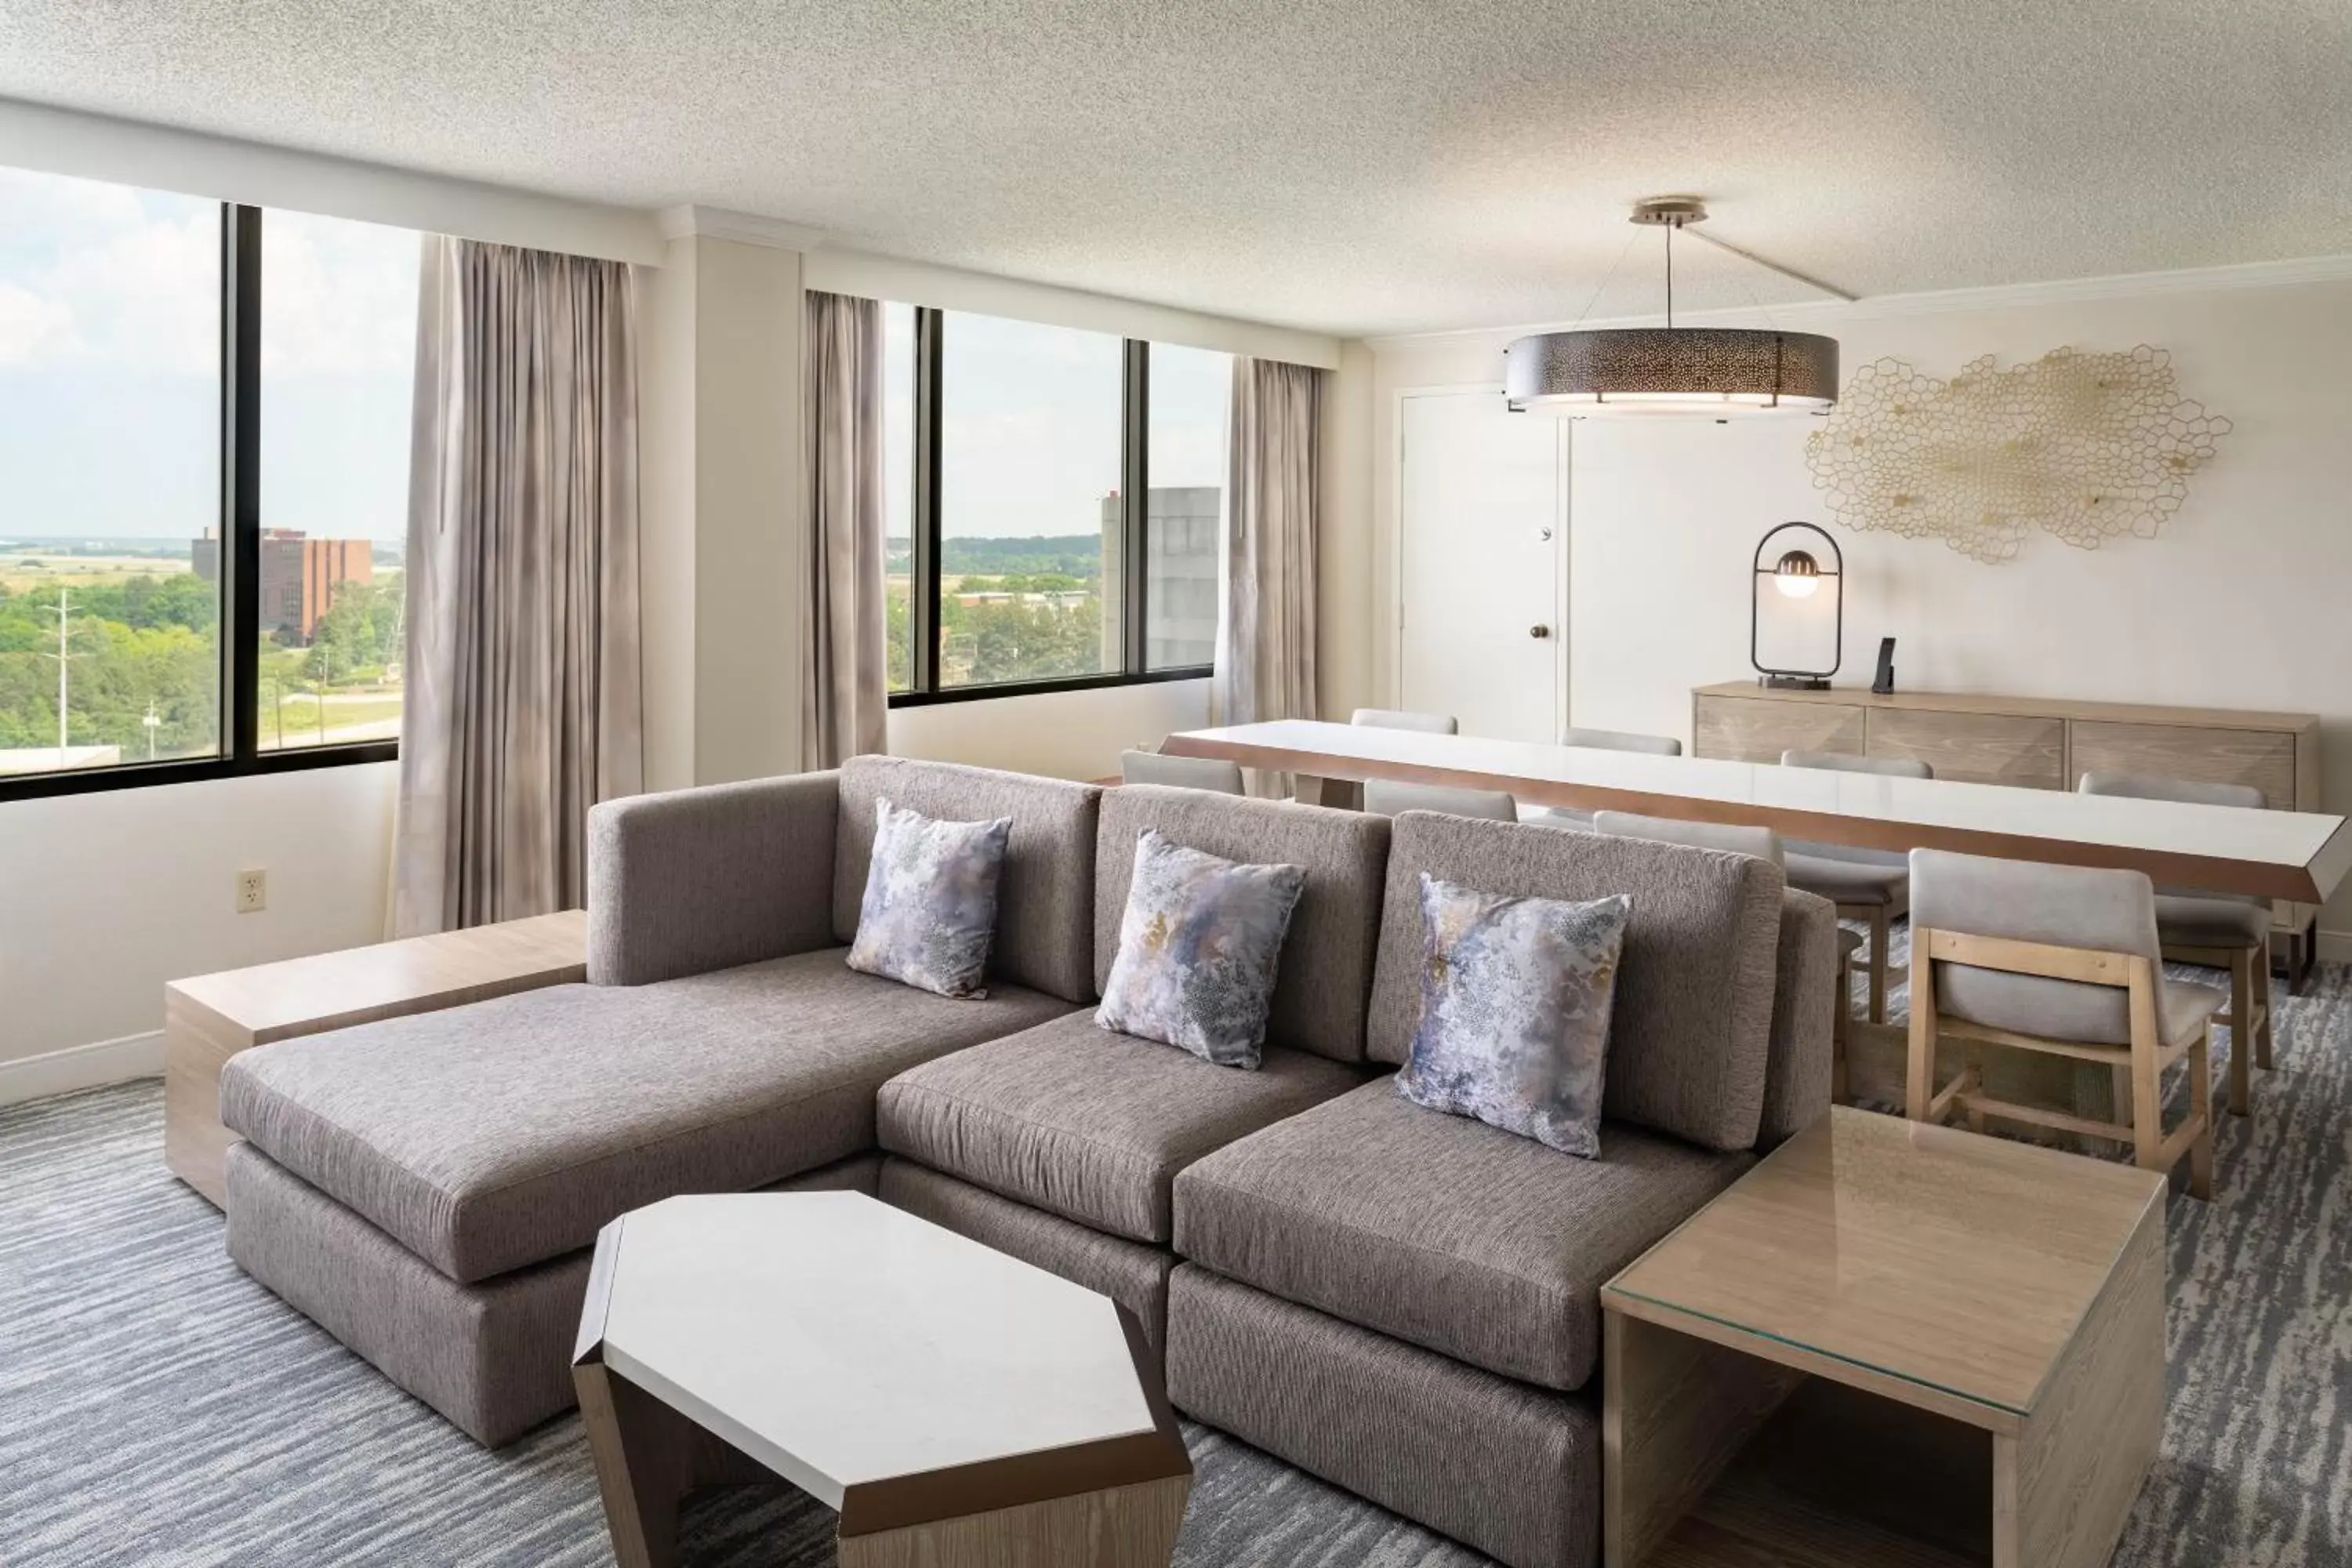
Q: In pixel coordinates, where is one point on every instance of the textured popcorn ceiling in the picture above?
(1366, 166)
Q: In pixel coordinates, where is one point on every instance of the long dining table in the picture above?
(2301, 855)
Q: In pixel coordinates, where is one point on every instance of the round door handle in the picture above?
(1538, 631)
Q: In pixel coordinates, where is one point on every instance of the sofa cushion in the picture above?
(928, 916)
(1515, 996)
(488, 1137)
(1199, 949)
(1512, 1470)
(1325, 977)
(1689, 1033)
(1448, 1233)
(1045, 900)
(1088, 1124)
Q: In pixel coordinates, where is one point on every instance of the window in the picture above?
(1018, 561)
(1191, 393)
(205, 419)
(899, 487)
(338, 377)
(109, 442)
(1029, 512)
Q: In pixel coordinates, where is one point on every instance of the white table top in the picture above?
(840, 1342)
(2277, 854)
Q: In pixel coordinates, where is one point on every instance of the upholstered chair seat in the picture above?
(1387, 797)
(1599, 741)
(1181, 772)
(1872, 885)
(1405, 719)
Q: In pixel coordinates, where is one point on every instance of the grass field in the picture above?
(30, 570)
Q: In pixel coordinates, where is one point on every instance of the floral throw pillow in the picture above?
(1198, 946)
(930, 901)
(1515, 1002)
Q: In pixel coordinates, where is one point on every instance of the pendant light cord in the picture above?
(1594, 298)
(1670, 274)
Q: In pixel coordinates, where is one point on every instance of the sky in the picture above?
(1029, 436)
(109, 325)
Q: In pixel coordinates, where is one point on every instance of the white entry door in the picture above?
(1483, 519)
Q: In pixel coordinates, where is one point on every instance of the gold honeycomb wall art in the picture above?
(2085, 447)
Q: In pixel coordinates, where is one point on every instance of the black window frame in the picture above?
(1132, 591)
(240, 567)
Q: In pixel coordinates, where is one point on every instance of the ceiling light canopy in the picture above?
(1713, 371)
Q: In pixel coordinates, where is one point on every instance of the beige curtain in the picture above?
(1265, 668)
(523, 705)
(845, 694)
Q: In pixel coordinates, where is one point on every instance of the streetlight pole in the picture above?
(63, 656)
(153, 721)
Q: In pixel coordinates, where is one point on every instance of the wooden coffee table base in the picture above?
(650, 1457)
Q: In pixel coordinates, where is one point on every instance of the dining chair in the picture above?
(1212, 773)
(1872, 885)
(1405, 719)
(2219, 931)
(1601, 740)
(1765, 844)
(1388, 797)
(2065, 961)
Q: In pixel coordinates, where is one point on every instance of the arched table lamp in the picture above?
(1795, 573)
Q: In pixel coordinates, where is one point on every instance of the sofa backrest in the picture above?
(1323, 983)
(1044, 904)
(1691, 1031)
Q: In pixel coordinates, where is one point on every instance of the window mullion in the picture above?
(241, 478)
(1135, 530)
(923, 564)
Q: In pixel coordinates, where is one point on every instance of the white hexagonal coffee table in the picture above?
(953, 1405)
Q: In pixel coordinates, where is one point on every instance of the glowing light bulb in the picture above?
(1797, 575)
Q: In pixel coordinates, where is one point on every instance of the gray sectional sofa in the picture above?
(1401, 1301)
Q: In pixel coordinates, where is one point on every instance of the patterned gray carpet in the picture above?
(157, 1407)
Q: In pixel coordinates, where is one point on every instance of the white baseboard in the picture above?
(82, 1067)
(2332, 946)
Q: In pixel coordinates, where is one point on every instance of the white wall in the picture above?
(1062, 734)
(665, 517)
(1344, 596)
(108, 896)
(158, 158)
(2242, 602)
(751, 531)
(950, 288)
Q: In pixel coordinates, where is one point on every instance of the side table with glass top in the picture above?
(1889, 1343)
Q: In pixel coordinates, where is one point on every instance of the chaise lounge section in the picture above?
(425, 1187)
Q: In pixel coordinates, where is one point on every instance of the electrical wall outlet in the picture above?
(252, 891)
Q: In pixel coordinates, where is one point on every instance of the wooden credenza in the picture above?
(2033, 742)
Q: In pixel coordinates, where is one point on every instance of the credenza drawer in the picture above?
(1757, 730)
(1974, 748)
(2264, 758)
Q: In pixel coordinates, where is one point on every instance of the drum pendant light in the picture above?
(1716, 373)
